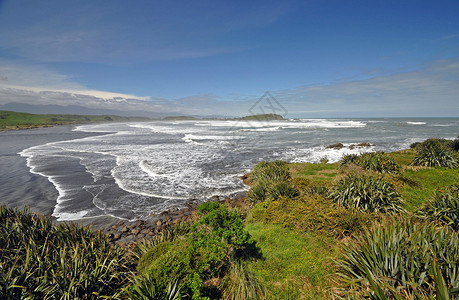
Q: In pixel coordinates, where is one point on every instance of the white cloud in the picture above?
(429, 91)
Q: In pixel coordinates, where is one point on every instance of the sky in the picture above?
(316, 58)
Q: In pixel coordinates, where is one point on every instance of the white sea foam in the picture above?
(415, 123)
(139, 168)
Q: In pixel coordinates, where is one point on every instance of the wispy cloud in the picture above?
(449, 36)
(428, 91)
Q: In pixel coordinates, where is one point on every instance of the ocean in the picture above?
(132, 170)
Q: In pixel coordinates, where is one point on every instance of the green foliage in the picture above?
(39, 260)
(348, 159)
(258, 192)
(402, 253)
(366, 193)
(204, 252)
(270, 180)
(374, 161)
(270, 172)
(312, 214)
(436, 153)
(241, 283)
(295, 265)
(443, 207)
(282, 189)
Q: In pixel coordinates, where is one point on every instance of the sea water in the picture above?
(131, 170)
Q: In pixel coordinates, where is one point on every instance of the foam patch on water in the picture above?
(136, 169)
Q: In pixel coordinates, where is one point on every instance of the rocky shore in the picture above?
(127, 232)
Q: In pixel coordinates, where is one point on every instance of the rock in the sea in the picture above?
(336, 146)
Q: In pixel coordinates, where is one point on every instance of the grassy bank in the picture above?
(10, 120)
(376, 226)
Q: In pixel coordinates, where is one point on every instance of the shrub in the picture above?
(203, 253)
(282, 189)
(435, 153)
(40, 260)
(270, 172)
(348, 159)
(400, 253)
(258, 192)
(269, 181)
(366, 193)
(444, 207)
(374, 161)
(312, 213)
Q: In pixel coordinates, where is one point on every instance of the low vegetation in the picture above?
(366, 193)
(39, 260)
(18, 120)
(263, 117)
(437, 153)
(374, 226)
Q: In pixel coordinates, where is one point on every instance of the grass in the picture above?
(19, 120)
(429, 180)
(294, 265)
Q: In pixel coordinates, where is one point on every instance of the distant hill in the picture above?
(263, 117)
(20, 120)
(76, 110)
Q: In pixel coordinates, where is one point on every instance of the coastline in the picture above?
(18, 186)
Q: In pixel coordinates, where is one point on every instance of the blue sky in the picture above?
(317, 58)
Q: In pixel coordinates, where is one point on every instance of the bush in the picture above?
(40, 260)
(401, 253)
(270, 172)
(312, 213)
(436, 153)
(348, 159)
(282, 189)
(374, 161)
(366, 193)
(205, 252)
(444, 207)
(269, 181)
(258, 192)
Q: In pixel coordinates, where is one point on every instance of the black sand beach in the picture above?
(18, 186)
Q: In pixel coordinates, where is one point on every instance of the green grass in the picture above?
(403, 157)
(18, 120)
(294, 265)
(313, 174)
(429, 180)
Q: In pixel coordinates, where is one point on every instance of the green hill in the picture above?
(263, 117)
(19, 120)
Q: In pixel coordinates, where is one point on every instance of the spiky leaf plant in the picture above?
(40, 260)
(258, 192)
(366, 193)
(282, 189)
(374, 161)
(270, 172)
(240, 283)
(443, 207)
(435, 153)
(400, 253)
(348, 159)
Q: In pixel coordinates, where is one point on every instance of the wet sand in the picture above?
(18, 186)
